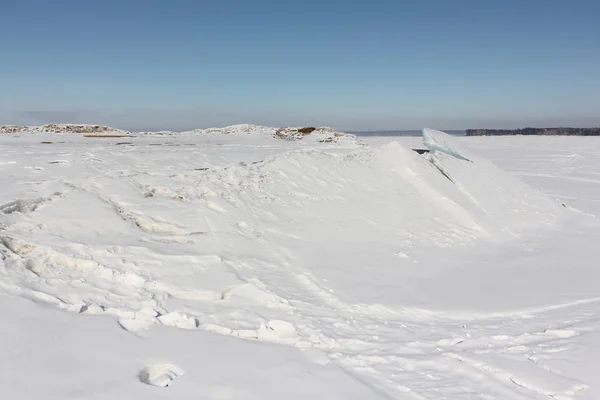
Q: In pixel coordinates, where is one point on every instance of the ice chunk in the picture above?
(160, 375)
(440, 141)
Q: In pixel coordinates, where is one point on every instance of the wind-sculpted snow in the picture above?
(380, 272)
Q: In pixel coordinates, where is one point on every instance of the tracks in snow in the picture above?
(411, 353)
(406, 356)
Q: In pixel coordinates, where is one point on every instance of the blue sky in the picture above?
(353, 65)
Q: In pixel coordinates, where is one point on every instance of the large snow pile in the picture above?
(368, 259)
(311, 134)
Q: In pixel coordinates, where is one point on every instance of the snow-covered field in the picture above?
(244, 266)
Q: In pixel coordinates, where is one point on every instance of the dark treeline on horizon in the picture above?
(535, 131)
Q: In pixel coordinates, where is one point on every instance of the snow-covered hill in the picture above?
(321, 134)
(247, 266)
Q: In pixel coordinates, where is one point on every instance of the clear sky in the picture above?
(353, 65)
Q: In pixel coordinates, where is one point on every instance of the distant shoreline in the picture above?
(535, 132)
(403, 132)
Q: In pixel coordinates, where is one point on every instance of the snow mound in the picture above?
(234, 129)
(436, 196)
(282, 329)
(321, 135)
(61, 129)
(388, 194)
(307, 134)
(288, 133)
(317, 135)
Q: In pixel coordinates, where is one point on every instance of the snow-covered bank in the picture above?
(416, 275)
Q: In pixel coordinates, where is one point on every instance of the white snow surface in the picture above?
(238, 265)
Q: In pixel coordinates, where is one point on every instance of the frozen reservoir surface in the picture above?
(242, 263)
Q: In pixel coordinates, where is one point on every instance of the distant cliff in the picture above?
(535, 131)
